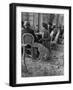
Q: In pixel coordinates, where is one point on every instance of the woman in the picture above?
(46, 40)
(46, 37)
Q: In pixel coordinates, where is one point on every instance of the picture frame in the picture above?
(59, 73)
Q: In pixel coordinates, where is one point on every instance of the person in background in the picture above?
(61, 35)
(22, 25)
(46, 37)
(28, 29)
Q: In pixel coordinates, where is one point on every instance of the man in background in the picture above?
(27, 29)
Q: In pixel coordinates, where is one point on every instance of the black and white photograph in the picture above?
(42, 44)
(40, 40)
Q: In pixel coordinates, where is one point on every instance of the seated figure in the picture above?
(28, 29)
(41, 51)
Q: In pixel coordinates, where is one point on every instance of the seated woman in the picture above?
(41, 52)
(28, 29)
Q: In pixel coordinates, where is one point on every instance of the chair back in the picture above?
(28, 38)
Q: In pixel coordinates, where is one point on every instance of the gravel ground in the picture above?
(54, 66)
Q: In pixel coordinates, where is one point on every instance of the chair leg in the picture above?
(24, 59)
(24, 54)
